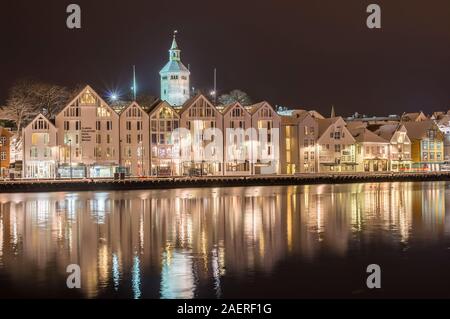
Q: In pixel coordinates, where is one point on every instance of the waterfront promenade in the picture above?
(56, 185)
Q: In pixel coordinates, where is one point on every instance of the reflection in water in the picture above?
(186, 243)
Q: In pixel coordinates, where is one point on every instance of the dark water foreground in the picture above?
(280, 242)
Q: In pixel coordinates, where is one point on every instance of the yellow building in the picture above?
(427, 145)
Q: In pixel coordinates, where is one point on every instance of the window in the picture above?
(3, 140)
(33, 152)
(78, 125)
(66, 125)
(128, 125)
(108, 139)
(305, 143)
(337, 148)
(98, 138)
(34, 138)
(154, 139)
(139, 125)
(337, 135)
(109, 125)
(128, 138)
(98, 125)
(3, 156)
(425, 156)
(139, 138)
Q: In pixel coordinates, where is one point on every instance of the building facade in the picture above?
(237, 139)
(266, 143)
(299, 132)
(164, 146)
(40, 149)
(5, 151)
(134, 140)
(336, 146)
(399, 146)
(427, 145)
(88, 137)
(200, 156)
(372, 151)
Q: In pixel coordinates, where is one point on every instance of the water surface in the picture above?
(281, 242)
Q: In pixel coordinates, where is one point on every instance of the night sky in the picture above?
(301, 54)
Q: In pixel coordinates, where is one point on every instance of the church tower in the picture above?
(174, 77)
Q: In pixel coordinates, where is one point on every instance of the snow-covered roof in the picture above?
(363, 135)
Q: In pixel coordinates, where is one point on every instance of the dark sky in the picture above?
(295, 53)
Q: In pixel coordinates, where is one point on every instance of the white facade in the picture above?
(266, 145)
(40, 150)
(88, 137)
(175, 78)
(135, 141)
(336, 146)
(237, 144)
(198, 115)
(164, 151)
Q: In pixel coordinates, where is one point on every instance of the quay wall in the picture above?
(21, 186)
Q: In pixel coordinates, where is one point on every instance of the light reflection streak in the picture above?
(193, 238)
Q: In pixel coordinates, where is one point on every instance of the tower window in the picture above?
(164, 77)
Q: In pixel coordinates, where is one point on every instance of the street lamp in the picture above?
(70, 157)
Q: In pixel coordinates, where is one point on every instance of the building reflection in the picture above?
(184, 243)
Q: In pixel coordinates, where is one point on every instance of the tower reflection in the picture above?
(186, 243)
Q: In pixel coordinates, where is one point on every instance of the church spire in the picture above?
(175, 52)
(333, 114)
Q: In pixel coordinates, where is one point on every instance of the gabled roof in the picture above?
(88, 87)
(418, 130)
(388, 130)
(363, 135)
(414, 117)
(44, 117)
(229, 107)
(134, 103)
(324, 124)
(193, 100)
(316, 115)
(252, 109)
(160, 105)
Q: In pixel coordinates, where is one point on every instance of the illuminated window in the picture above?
(34, 138)
(87, 98)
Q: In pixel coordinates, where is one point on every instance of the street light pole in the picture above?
(70, 157)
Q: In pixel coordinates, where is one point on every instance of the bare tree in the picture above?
(235, 96)
(28, 98)
(19, 106)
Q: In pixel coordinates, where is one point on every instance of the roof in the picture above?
(356, 124)
(387, 131)
(363, 135)
(229, 107)
(174, 66)
(418, 130)
(325, 123)
(415, 116)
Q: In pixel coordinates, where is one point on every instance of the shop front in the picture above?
(376, 165)
(40, 169)
(201, 168)
(102, 171)
(74, 171)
